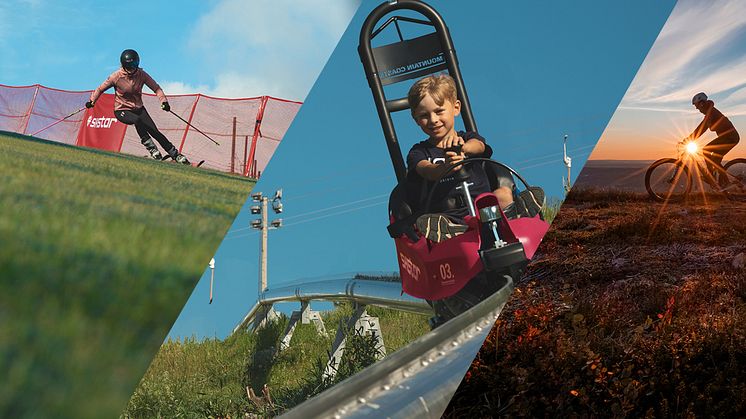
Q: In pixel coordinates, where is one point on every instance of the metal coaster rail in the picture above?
(417, 380)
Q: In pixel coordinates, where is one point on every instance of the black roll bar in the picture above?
(372, 72)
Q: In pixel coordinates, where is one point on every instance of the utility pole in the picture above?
(263, 254)
(264, 225)
(568, 163)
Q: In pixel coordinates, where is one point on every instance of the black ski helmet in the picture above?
(129, 59)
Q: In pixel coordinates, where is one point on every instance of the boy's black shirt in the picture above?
(446, 199)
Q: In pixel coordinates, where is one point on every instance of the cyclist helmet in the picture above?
(129, 59)
(699, 97)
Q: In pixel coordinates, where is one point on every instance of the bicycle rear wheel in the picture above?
(736, 169)
(668, 180)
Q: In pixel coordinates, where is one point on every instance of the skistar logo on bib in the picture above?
(101, 122)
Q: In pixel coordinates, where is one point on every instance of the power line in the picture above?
(318, 211)
(315, 218)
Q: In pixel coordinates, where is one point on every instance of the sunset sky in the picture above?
(702, 47)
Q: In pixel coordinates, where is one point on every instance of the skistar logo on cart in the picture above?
(101, 122)
(409, 266)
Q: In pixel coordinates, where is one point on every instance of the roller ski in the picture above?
(155, 154)
(180, 158)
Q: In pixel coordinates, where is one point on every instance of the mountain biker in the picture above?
(128, 107)
(727, 137)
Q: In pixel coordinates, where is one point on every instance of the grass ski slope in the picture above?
(98, 253)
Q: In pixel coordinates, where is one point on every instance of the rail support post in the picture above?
(362, 323)
(306, 316)
(264, 315)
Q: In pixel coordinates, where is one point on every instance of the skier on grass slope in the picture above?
(128, 106)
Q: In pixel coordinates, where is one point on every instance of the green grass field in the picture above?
(98, 253)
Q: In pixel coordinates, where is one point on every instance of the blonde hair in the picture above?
(440, 87)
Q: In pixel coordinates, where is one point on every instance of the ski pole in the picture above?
(58, 121)
(195, 128)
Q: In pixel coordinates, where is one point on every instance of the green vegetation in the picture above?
(551, 209)
(210, 378)
(98, 253)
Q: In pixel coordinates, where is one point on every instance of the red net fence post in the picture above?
(251, 171)
(245, 161)
(27, 109)
(191, 115)
(277, 116)
(30, 108)
(233, 147)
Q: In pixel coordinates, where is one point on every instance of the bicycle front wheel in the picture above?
(736, 169)
(668, 180)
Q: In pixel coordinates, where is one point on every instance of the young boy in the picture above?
(434, 105)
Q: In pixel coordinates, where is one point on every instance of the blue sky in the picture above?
(533, 72)
(224, 48)
(702, 47)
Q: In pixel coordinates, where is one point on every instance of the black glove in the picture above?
(166, 107)
(89, 104)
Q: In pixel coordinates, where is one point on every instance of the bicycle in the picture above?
(671, 179)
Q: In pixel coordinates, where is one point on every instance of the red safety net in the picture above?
(248, 130)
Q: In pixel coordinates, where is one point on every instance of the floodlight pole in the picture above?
(568, 164)
(264, 225)
(263, 261)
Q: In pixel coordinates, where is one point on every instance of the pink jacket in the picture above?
(128, 88)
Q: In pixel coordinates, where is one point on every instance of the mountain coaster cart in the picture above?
(454, 274)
